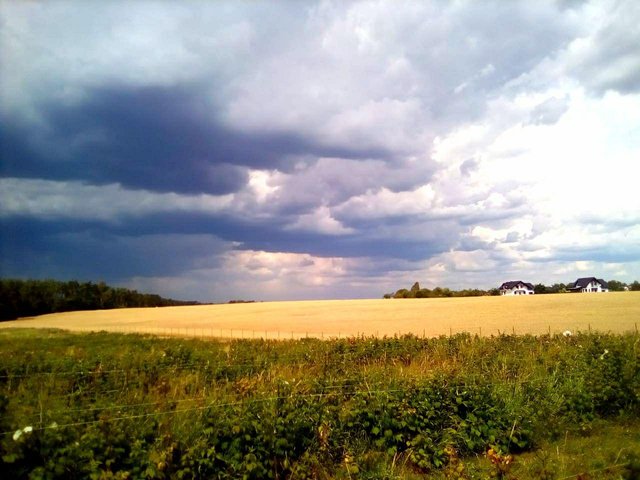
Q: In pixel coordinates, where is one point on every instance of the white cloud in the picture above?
(385, 203)
(260, 182)
(516, 228)
(473, 261)
(319, 221)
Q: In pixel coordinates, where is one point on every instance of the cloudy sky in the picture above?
(298, 150)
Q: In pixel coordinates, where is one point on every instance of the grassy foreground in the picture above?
(131, 406)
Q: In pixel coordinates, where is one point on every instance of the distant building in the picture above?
(588, 284)
(517, 287)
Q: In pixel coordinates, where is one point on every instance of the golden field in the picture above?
(535, 314)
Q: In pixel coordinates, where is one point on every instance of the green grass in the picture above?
(610, 450)
(136, 406)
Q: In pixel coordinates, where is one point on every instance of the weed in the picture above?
(109, 405)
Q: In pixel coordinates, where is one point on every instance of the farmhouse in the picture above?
(517, 287)
(588, 284)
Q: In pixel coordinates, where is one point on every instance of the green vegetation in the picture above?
(25, 298)
(540, 288)
(438, 292)
(133, 406)
(616, 286)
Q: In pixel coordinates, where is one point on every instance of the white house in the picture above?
(517, 287)
(588, 284)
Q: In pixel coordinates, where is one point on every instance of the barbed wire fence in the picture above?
(205, 403)
(244, 402)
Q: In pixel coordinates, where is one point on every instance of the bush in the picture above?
(116, 406)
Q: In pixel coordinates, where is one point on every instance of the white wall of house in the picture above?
(517, 290)
(594, 287)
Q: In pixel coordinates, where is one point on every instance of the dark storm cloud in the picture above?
(174, 246)
(71, 249)
(176, 141)
(160, 139)
(272, 236)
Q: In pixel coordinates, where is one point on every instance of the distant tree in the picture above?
(557, 288)
(423, 293)
(25, 298)
(439, 292)
(539, 289)
(402, 293)
(616, 286)
(635, 286)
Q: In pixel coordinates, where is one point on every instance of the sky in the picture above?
(313, 150)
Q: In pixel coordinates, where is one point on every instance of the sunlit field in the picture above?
(485, 316)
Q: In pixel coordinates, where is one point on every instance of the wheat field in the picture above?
(535, 314)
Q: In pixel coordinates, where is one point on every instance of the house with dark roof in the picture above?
(517, 287)
(588, 284)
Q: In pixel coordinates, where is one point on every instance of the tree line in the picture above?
(26, 298)
(614, 286)
(416, 292)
